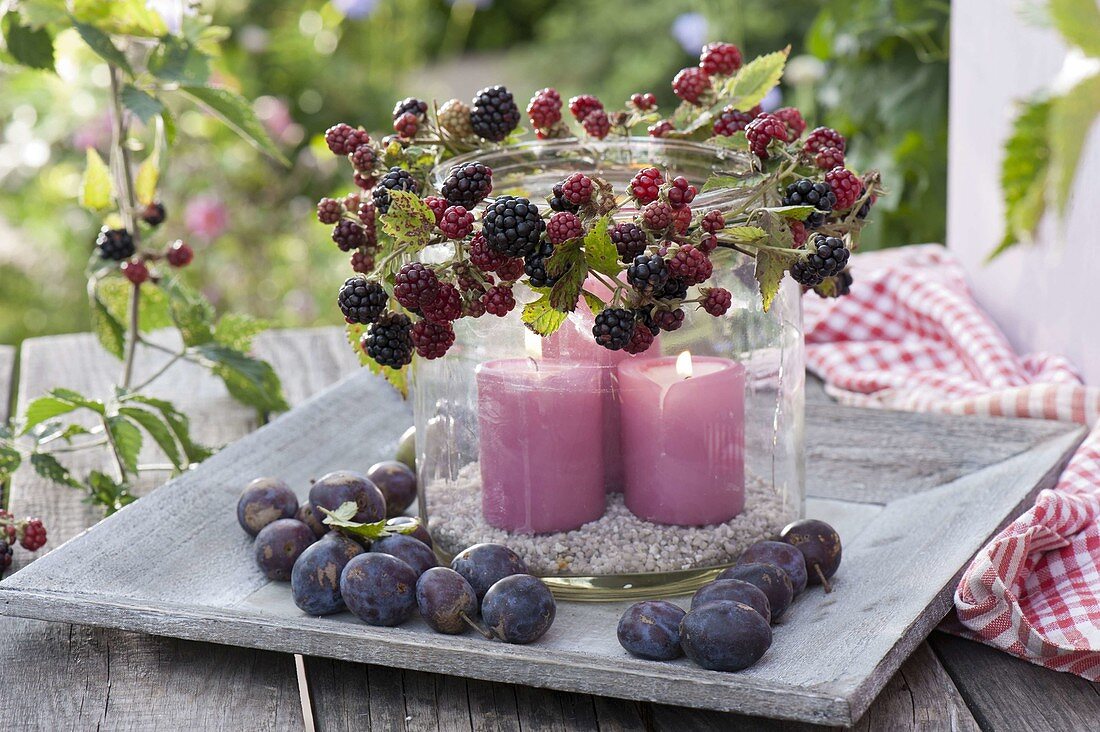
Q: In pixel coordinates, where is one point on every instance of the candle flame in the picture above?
(683, 365)
(532, 343)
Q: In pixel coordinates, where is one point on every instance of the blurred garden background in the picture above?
(308, 65)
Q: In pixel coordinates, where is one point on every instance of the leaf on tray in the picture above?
(342, 519)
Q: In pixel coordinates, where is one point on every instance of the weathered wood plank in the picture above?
(1006, 693)
(7, 374)
(120, 679)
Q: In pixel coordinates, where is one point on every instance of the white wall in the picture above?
(1045, 297)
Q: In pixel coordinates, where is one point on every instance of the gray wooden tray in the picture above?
(914, 496)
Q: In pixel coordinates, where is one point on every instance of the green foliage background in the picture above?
(882, 82)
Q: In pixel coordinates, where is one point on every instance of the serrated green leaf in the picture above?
(48, 467)
(599, 251)
(341, 519)
(95, 188)
(123, 17)
(1078, 21)
(143, 105)
(109, 331)
(409, 221)
(154, 309)
(595, 304)
(249, 380)
(568, 265)
(771, 265)
(720, 181)
(127, 439)
(10, 460)
(38, 13)
(72, 431)
(44, 408)
(235, 111)
(155, 426)
(32, 47)
(105, 491)
(755, 79)
(1071, 118)
(191, 313)
(398, 378)
(169, 123)
(75, 397)
(796, 213)
(541, 317)
(103, 46)
(178, 60)
(237, 330)
(1024, 170)
(744, 234)
(179, 423)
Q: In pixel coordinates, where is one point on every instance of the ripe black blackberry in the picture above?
(827, 256)
(614, 328)
(395, 180)
(467, 185)
(558, 202)
(412, 105)
(512, 226)
(494, 114)
(389, 341)
(535, 266)
(115, 244)
(674, 289)
(362, 301)
(154, 214)
(630, 240)
(806, 192)
(645, 320)
(349, 235)
(648, 273)
(5, 557)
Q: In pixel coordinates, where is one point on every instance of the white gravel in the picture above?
(617, 543)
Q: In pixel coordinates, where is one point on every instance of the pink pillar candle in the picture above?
(683, 439)
(541, 447)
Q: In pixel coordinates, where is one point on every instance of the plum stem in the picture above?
(477, 627)
(821, 576)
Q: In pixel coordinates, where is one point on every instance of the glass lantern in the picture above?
(617, 476)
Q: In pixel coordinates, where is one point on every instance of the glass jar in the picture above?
(617, 476)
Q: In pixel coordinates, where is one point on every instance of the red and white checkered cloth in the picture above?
(910, 336)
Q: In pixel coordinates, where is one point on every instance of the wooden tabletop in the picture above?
(69, 676)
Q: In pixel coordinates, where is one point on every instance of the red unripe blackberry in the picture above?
(361, 300)
(691, 84)
(349, 235)
(457, 222)
(362, 262)
(418, 108)
(763, 130)
(717, 301)
(681, 193)
(713, 221)
(474, 306)
(34, 535)
(846, 186)
(584, 105)
(365, 181)
(577, 189)
(395, 180)
(367, 216)
(342, 138)
(154, 213)
(644, 102)
(438, 205)
(708, 244)
(732, 120)
(823, 137)
(545, 108)
(690, 265)
(498, 300)
(512, 269)
(829, 157)
(432, 340)
(629, 239)
(389, 341)
(467, 185)
(563, 226)
(660, 129)
(597, 124)
(352, 201)
(364, 159)
(494, 113)
(614, 327)
(329, 210)
(798, 233)
(640, 340)
(793, 119)
(657, 217)
(645, 186)
(483, 256)
(720, 58)
(179, 254)
(137, 272)
(445, 306)
(669, 320)
(415, 285)
(681, 219)
(114, 244)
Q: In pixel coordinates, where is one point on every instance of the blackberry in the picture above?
(329, 210)
(681, 193)
(630, 240)
(563, 226)
(395, 180)
(456, 223)
(454, 118)
(438, 205)
(691, 84)
(34, 535)
(407, 125)
(713, 221)
(557, 202)
(846, 187)
(342, 139)
(674, 289)
(720, 58)
(535, 266)
(364, 159)
(411, 105)
(365, 181)
(389, 341)
(114, 244)
(498, 300)
(640, 340)
(544, 110)
(660, 129)
(828, 158)
(362, 301)
(415, 285)
(865, 208)
(597, 124)
(584, 105)
(690, 265)
(806, 192)
(798, 234)
(732, 120)
(823, 137)
(512, 226)
(681, 219)
(494, 114)
(136, 272)
(717, 301)
(708, 244)
(645, 319)
(669, 320)
(511, 270)
(614, 328)
(578, 189)
(826, 256)
(645, 186)
(445, 306)
(367, 215)
(467, 185)
(657, 217)
(793, 119)
(648, 273)
(179, 254)
(761, 131)
(483, 256)
(844, 283)
(154, 214)
(362, 262)
(349, 235)
(643, 102)
(5, 557)
(432, 340)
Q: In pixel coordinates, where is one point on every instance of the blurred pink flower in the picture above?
(96, 132)
(206, 217)
(275, 115)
